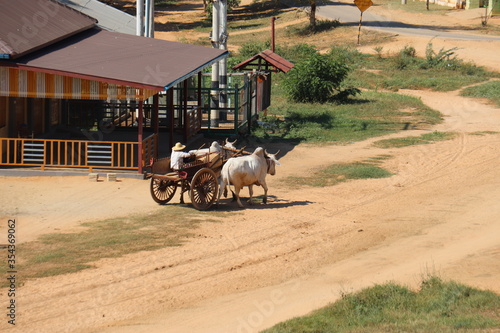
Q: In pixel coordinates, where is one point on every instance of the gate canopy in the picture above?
(267, 61)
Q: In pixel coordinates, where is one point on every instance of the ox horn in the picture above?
(275, 154)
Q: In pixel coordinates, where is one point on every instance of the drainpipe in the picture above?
(214, 112)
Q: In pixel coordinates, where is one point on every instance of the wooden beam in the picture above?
(170, 115)
(156, 129)
(139, 136)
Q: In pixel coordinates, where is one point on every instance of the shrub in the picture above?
(317, 79)
(297, 53)
(405, 58)
(250, 49)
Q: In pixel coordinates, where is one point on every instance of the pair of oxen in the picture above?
(245, 170)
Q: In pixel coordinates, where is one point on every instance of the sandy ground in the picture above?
(437, 215)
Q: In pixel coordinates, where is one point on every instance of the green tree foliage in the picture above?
(207, 5)
(318, 79)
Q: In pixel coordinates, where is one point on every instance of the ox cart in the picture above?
(198, 177)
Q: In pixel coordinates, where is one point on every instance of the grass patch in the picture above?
(257, 15)
(437, 306)
(416, 69)
(416, 7)
(481, 133)
(304, 30)
(338, 173)
(489, 90)
(368, 115)
(415, 140)
(60, 253)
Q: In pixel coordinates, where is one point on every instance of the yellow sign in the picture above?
(363, 4)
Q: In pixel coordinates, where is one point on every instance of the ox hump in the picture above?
(259, 151)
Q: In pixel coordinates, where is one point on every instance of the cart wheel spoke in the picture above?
(204, 189)
(162, 191)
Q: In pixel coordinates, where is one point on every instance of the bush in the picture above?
(405, 58)
(317, 79)
(297, 53)
(346, 55)
(321, 26)
(250, 49)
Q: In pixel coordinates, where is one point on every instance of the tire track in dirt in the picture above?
(261, 246)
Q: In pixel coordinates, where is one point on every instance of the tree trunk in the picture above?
(312, 16)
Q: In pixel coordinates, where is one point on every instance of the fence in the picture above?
(77, 153)
(233, 111)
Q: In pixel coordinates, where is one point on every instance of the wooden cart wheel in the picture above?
(162, 190)
(204, 188)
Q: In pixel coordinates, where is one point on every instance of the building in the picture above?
(75, 95)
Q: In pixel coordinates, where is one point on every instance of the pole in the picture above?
(273, 33)
(151, 26)
(147, 20)
(223, 62)
(139, 17)
(359, 28)
(214, 94)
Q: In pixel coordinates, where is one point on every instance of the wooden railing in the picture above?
(76, 153)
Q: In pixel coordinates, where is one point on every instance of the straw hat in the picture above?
(178, 146)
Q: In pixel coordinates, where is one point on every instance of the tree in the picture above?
(318, 79)
(207, 5)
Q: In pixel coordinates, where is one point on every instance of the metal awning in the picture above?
(30, 25)
(108, 18)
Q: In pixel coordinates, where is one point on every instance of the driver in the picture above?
(177, 156)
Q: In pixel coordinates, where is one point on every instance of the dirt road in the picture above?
(438, 215)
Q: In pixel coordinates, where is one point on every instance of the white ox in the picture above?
(229, 144)
(248, 170)
(215, 147)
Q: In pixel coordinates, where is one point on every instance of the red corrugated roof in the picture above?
(270, 59)
(28, 25)
(120, 58)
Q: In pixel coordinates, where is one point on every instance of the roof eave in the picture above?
(196, 70)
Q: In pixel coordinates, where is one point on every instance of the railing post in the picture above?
(236, 108)
(249, 105)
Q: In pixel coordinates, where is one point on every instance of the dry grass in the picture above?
(61, 253)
